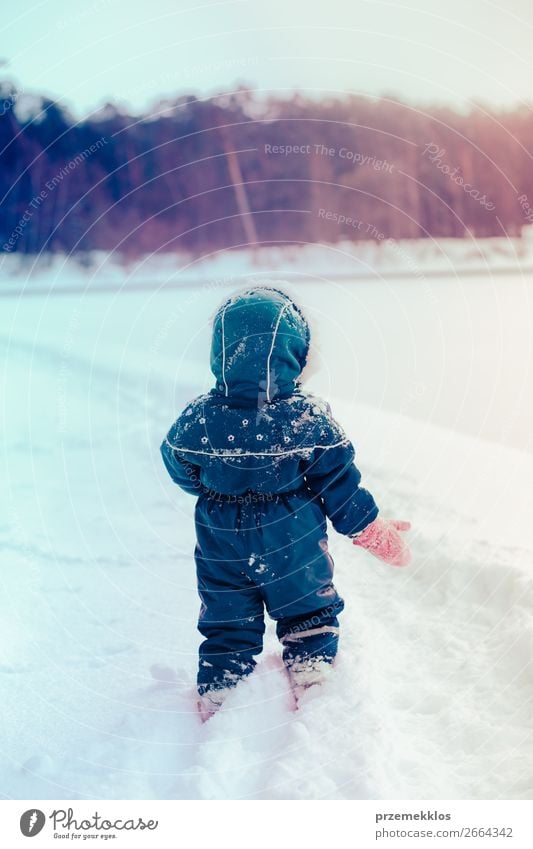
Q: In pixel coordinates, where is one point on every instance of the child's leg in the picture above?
(232, 622)
(310, 641)
(299, 590)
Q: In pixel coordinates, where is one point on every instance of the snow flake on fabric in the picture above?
(238, 351)
(298, 424)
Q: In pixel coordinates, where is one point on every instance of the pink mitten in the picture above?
(382, 539)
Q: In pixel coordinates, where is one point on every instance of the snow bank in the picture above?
(408, 258)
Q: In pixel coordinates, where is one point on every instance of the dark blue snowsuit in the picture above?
(268, 463)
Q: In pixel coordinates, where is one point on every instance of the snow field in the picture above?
(431, 697)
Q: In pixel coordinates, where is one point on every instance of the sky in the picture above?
(133, 52)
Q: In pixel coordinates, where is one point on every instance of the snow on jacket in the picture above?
(257, 431)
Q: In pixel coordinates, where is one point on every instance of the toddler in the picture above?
(268, 463)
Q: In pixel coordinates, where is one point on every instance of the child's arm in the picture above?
(182, 472)
(333, 476)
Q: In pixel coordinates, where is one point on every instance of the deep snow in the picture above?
(432, 694)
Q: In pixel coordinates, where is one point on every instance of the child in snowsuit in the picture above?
(268, 463)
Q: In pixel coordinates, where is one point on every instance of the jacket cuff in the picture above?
(363, 524)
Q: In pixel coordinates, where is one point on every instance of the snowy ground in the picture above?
(432, 694)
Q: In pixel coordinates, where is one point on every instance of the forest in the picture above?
(202, 174)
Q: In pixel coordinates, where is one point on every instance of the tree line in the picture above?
(199, 175)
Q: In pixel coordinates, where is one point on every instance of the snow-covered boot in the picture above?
(307, 672)
(211, 701)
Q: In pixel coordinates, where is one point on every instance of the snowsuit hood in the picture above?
(260, 345)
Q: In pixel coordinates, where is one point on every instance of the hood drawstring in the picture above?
(282, 310)
(226, 390)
